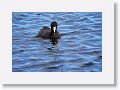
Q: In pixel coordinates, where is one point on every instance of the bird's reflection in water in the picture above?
(54, 43)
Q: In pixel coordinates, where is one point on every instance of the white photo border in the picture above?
(104, 77)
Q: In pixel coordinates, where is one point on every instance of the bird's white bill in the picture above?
(54, 29)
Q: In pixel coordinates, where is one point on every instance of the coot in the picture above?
(49, 33)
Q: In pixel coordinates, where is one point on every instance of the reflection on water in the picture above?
(78, 50)
(54, 41)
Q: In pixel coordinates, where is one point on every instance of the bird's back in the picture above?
(44, 32)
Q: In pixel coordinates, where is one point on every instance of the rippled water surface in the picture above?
(78, 50)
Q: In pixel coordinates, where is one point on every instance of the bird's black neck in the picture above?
(52, 31)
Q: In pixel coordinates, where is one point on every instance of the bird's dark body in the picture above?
(47, 33)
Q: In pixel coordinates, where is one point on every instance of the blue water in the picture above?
(78, 50)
